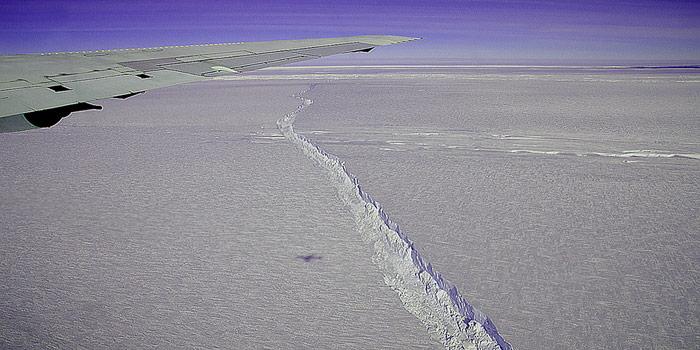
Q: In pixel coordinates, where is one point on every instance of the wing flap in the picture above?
(95, 89)
(12, 106)
(38, 98)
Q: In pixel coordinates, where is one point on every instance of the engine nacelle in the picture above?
(41, 119)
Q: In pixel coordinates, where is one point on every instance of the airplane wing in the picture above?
(38, 90)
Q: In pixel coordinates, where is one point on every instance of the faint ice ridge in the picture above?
(448, 316)
(624, 154)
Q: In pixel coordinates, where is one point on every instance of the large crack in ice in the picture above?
(448, 316)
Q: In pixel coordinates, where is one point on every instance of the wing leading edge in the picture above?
(38, 90)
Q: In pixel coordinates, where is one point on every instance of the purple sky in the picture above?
(599, 32)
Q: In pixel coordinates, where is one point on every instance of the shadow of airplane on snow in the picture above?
(308, 258)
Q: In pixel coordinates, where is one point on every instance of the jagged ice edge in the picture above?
(448, 316)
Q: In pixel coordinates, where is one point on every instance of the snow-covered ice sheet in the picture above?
(447, 315)
(562, 204)
(175, 220)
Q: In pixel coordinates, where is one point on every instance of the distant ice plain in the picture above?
(561, 203)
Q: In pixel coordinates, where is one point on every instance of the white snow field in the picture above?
(561, 202)
(175, 221)
(543, 207)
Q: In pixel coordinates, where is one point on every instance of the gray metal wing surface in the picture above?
(38, 90)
